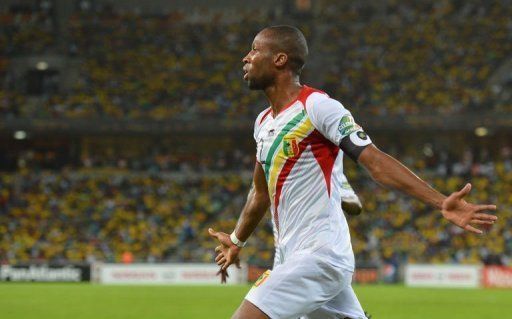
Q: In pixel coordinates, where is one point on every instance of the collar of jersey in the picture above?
(287, 106)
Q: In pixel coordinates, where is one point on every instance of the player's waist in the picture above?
(336, 254)
(311, 237)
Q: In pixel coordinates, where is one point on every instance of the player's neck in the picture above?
(281, 95)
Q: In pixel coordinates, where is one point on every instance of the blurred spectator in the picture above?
(127, 257)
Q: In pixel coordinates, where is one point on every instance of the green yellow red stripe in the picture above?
(277, 142)
(300, 132)
(285, 171)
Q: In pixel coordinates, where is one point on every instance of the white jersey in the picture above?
(303, 164)
(346, 190)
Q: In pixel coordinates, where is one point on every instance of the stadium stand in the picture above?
(79, 203)
(413, 57)
(416, 56)
(91, 215)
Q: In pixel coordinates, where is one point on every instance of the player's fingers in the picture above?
(222, 272)
(218, 249)
(473, 229)
(486, 207)
(482, 222)
(224, 276)
(221, 261)
(213, 233)
(227, 263)
(484, 216)
(464, 191)
(219, 256)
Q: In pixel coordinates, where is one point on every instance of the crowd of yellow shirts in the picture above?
(407, 57)
(411, 57)
(99, 215)
(417, 56)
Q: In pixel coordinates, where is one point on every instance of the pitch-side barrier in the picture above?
(415, 275)
(461, 276)
(164, 274)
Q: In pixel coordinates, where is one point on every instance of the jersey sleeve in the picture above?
(337, 124)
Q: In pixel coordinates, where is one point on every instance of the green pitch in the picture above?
(80, 301)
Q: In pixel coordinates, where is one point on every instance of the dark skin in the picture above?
(266, 69)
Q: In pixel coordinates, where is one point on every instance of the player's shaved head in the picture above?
(291, 41)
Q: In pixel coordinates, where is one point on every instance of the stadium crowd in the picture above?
(417, 56)
(410, 56)
(23, 31)
(161, 159)
(98, 215)
(26, 30)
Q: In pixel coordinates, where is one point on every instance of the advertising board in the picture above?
(165, 274)
(45, 273)
(497, 276)
(463, 276)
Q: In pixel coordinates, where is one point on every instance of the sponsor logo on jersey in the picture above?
(347, 126)
(262, 278)
(290, 146)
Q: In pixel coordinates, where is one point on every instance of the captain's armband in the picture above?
(354, 143)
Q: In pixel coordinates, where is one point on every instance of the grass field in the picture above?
(80, 301)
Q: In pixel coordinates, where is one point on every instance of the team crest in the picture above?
(290, 147)
(262, 278)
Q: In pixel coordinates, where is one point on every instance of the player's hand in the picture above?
(227, 252)
(464, 214)
(224, 273)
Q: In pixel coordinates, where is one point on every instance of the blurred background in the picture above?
(126, 127)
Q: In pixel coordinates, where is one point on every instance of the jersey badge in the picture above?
(290, 147)
(262, 278)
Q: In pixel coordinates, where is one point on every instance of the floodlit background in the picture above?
(126, 131)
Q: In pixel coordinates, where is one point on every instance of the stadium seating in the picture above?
(88, 215)
(396, 58)
(416, 56)
(408, 58)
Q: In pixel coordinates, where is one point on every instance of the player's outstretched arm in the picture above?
(386, 170)
(258, 202)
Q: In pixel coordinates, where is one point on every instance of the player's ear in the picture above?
(280, 59)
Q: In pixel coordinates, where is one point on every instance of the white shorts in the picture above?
(306, 286)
